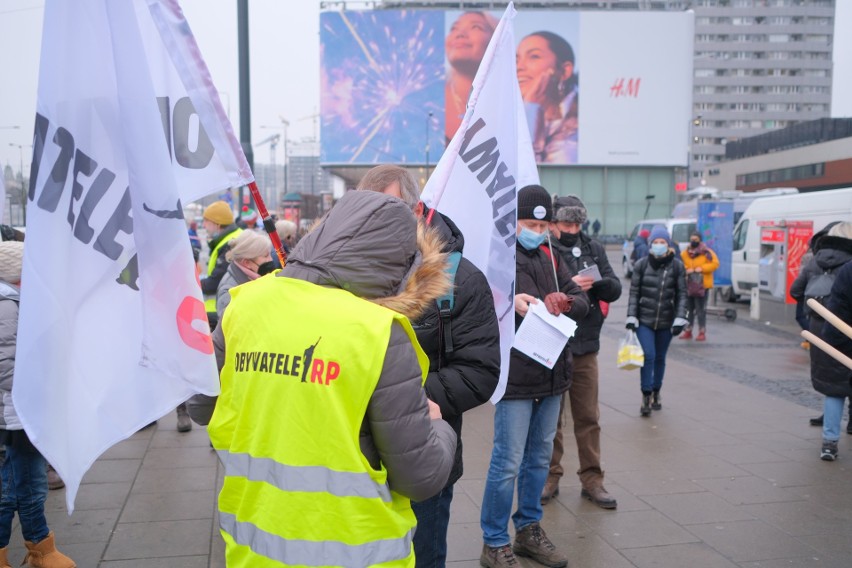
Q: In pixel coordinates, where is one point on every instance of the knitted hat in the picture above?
(570, 209)
(659, 232)
(220, 213)
(11, 259)
(644, 233)
(843, 230)
(534, 203)
(248, 215)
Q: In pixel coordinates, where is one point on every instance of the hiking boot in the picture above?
(829, 451)
(655, 401)
(533, 543)
(600, 497)
(498, 557)
(551, 490)
(184, 424)
(816, 421)
(700, 336)
(687, 334)
(645, 409)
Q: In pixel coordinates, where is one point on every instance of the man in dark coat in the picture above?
(578, 251)
(525, 418)
(463, 346)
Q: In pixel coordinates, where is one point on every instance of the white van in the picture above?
(679, 229)
(820, 207)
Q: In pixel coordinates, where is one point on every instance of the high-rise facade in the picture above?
(759, 65)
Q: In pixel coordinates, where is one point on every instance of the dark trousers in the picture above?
(582, 402)
(697, 307)
(430, 538)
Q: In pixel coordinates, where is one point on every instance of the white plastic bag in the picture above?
(630, 354)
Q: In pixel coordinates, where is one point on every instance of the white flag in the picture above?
(477, 179)
(113, 332)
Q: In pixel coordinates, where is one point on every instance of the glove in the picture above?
(632, 323)
(678, 324)
(557, 303)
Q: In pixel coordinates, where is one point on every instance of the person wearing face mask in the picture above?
(578, 251)
(525, 418)
(248, 259)
(656, 311)
(700, 262)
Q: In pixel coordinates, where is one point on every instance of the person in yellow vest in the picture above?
(323, 424)
(700, 262)
(220, 227)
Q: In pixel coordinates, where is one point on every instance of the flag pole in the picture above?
(268, 223)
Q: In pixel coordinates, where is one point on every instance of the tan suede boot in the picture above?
(4, 558)
(45, 555)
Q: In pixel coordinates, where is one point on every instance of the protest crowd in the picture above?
(333, 369)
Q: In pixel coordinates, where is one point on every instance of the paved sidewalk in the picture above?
(726, 475)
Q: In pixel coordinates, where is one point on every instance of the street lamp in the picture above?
(23, 195)
(696, 122)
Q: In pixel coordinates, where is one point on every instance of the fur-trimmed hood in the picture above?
(371, 245)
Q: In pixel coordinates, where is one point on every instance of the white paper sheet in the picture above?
(542, 335)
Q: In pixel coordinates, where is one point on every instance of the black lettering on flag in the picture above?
(119, 221)
(52, 191)
(83, 164)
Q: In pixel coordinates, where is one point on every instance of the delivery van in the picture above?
(818, 207)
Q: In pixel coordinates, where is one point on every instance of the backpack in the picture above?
(447, 302)
(820, 286)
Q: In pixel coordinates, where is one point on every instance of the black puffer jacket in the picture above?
(827, 375)
(607, 289)
(467, 376)
(534, 276)
(658, 291)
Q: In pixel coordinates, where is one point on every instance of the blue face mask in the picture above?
(530, 240)
(659, 249)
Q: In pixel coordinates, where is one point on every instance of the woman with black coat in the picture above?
(656, 311)
(829, 377)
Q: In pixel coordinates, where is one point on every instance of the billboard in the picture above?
(395, 83)
(716, 225)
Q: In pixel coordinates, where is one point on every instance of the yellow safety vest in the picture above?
(210, 300)
(295, 390)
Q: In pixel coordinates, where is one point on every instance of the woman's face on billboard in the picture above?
(538, 74)
(468, 38)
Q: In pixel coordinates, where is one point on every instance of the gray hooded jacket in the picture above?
(368, 244)
(10, 296)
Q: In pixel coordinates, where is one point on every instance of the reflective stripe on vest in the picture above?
(303, 478)
(297, 488)
(210, 299)
(315, 553)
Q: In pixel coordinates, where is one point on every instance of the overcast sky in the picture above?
(284, 72)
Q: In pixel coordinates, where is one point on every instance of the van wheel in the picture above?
(625, 268)
(728, 294)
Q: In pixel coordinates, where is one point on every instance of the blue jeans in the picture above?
(655, 344)
(832, 416)
(430, 538)
(24, 474)
(523, 444)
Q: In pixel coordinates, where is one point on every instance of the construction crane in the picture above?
(273, 143)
